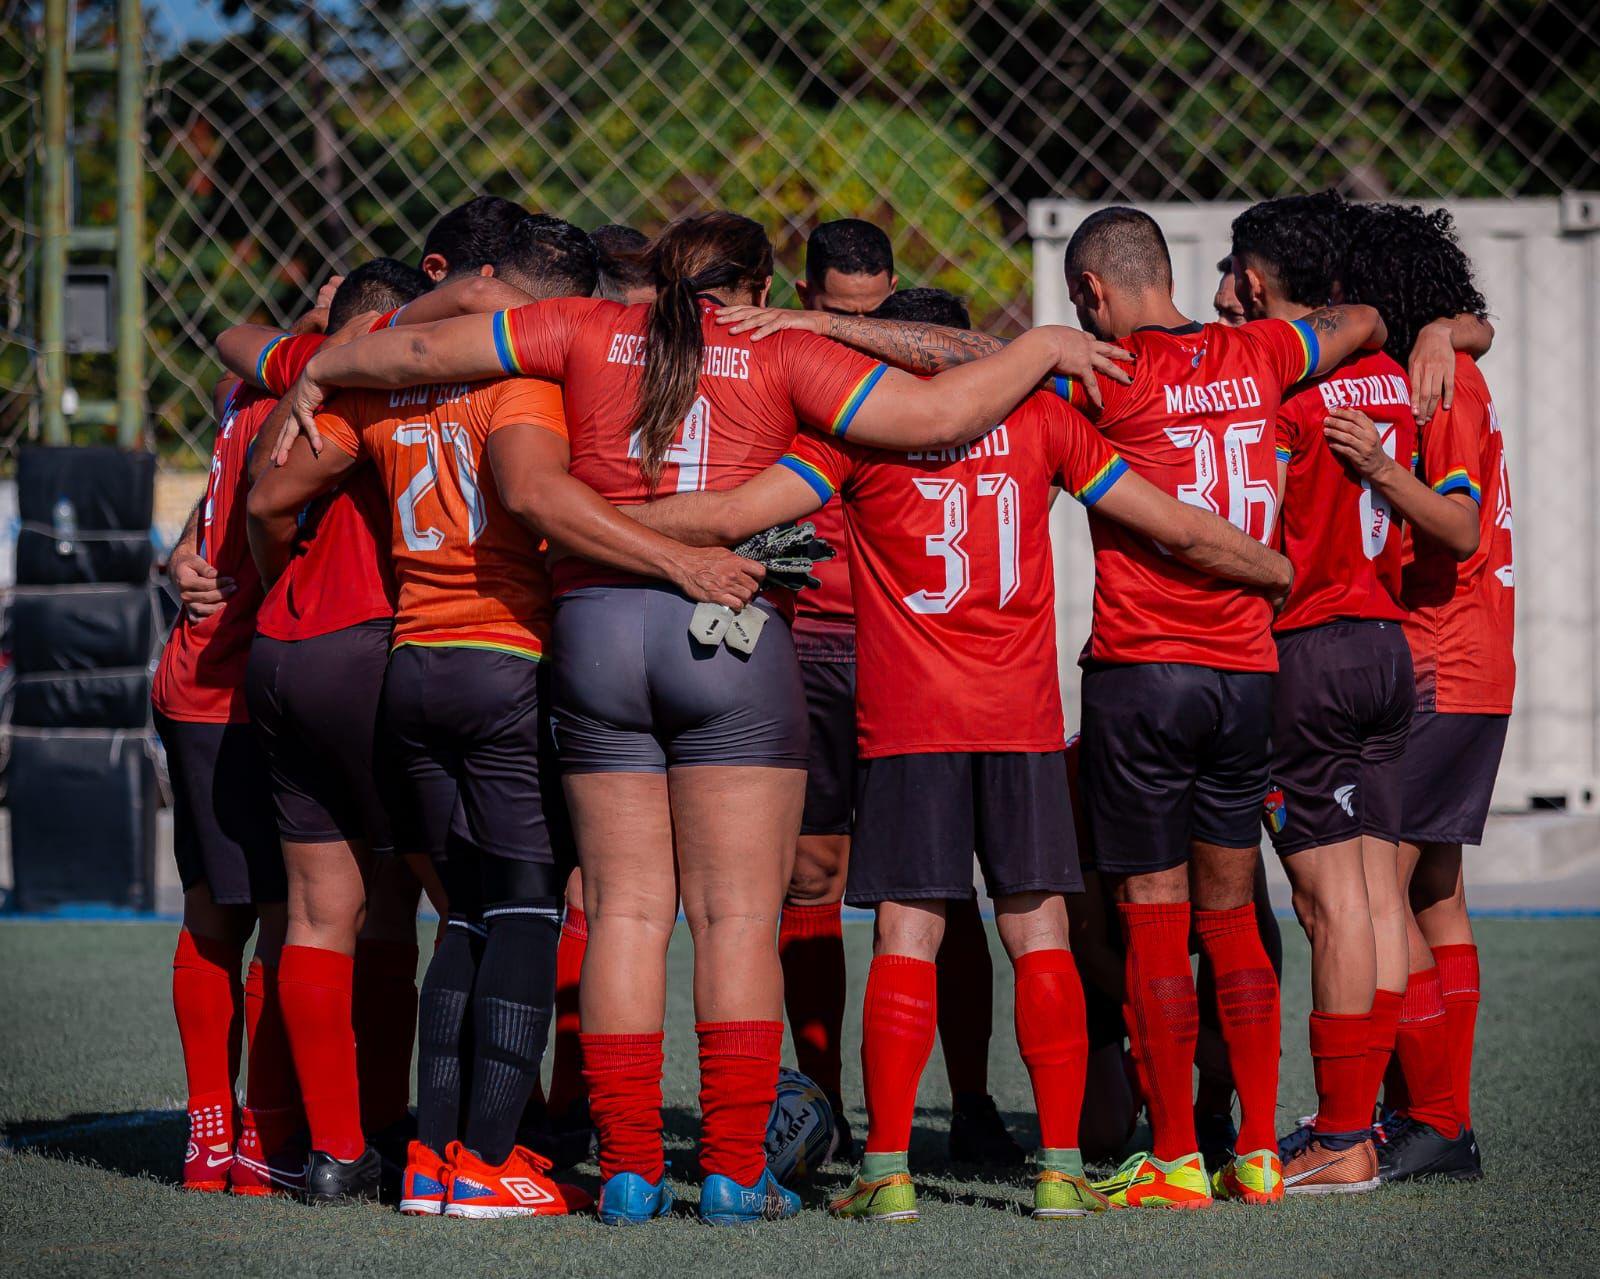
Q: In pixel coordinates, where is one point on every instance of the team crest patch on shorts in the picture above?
(1276, 811)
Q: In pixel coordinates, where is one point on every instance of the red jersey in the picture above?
(1197, 422)
(470, 574)
(953, 579)
(751, 399)
(1339, 534)
(1462, 618)
(339, 574)
(201, 674)
(825, 616)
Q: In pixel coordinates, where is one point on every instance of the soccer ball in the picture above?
(799, 1129)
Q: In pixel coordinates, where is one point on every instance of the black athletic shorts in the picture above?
(223, 832)
(635, 693)
(316, 703)
(1447, 776)
(472, 744)
(1172, 754)
(920, 818)
(831, 763)
(1341, 710)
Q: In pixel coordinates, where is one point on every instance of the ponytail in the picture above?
(693, 255)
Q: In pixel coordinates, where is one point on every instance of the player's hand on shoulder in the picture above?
(1083, 356)
(304, 398)
(763, 321)
(1353, 439)
(201, 589)
(1432, 370)
(715, 575)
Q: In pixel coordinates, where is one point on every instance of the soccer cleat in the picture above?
(627, 1199)
(425, 1183)
(1144, 1181)
(891, 1198)
(1061, 1194)
(330, 1180)
(724, 1202)
(1418, 1150)
(1322, 1170)
(208, 1157)
(1254, 1178)
(978, 1135)
(255, 1172)
(520, 1187)
(1297, 1139)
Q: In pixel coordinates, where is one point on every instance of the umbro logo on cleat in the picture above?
(525, 1190)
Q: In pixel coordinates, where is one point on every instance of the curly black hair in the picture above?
(1298, 240)
(1406, 261)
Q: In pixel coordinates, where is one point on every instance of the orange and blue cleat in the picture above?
(520, 1187)
(425, 1182)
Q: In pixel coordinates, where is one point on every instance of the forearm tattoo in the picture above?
(918, 348)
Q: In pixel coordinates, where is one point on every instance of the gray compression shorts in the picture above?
(634, 693)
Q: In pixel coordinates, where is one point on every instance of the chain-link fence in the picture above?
(287, 139)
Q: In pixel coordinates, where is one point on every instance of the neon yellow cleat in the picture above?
(891, 1198)
(1061, 1194)
(1144, 1181)
(1255, 1178)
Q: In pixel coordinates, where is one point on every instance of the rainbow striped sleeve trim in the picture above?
(503, 345)
(265, 356)
(856, 398)
(1284, 455)
(1313, 348)
(1103, 479)
(817, 481)
(1459, 481)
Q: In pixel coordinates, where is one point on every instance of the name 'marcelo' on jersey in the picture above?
(1198, 423)
(751, 399)
(469, 574)
(1338, 534)
(952, 577)
(1463, 615)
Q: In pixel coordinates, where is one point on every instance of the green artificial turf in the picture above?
(91, 1090)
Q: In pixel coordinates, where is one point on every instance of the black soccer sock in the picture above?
(444, 1032)
(512, 1007)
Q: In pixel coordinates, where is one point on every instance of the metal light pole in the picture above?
(130, 223)
(53, 240)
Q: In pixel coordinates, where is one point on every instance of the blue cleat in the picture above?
(627, 1199)
(724, 1202)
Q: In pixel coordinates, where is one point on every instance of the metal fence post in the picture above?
(130, 223)
(54, 222)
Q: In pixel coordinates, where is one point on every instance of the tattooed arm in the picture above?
(915, 347)
(1342, 331)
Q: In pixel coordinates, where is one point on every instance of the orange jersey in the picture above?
(469, 574)
(1463, 614)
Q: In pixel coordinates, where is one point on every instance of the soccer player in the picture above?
(470, 239)
(1226, 302)
(624, 277)
(229, 862)
(1459, 585)
(686, 769)
(1343, 700)
(955, 584)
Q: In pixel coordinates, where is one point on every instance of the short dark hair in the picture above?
(850, 247)
(1299, 239)
(622, 265)
(547, 257)
(1122, 246)
(379, 285)
(925, 306)
(1407, 262)
(473, 235)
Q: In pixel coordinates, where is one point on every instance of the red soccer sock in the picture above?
(1380, 1046)
(384, 1014)
(1247, 1007)
(623, 1075)
(898, 1023)
(1164, 1019)
(1053, 1038)
(1423, 1047)
(738, 1080)
(208, 1000)
(811, 950)
(966, 999)
(314, 987)
(1459, 983)
(272, 1094)
(1339, 1047)
(566, 1073)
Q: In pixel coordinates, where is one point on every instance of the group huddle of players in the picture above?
(461, 616)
